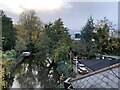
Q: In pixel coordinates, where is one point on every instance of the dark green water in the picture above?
(34, 75)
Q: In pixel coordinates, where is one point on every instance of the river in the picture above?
(34, 75)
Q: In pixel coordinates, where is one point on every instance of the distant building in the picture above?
(116, 34)
(75, 36)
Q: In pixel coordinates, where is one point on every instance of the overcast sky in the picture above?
(74, 14)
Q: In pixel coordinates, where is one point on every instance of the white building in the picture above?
(75, 36)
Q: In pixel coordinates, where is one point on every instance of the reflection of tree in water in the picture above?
(36, 75)
(27, 80)
(46, 81)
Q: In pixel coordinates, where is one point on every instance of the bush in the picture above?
(9, 54)
(7, 60)
(91, 55)
(66, 68)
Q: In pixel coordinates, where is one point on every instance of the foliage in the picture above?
(9, 54)
(54, 40)
(8, 33)
(21, 33)
(87, 34)
(7, 60)
(20, 44)
(59, 44)
(61, 53)
(57, 33)
(43, 47)
(59, 38)
(113, 46)
(91, 55)
(105, 43)
(79, 47)
(32, 26)
(64, 67)
(3, 83)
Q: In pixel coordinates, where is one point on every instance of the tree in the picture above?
(32, 25)
(60, 40)
(8, 58)
(43, 47)
(87, 34)
(79, 47)
(113, 46)
(21, 32)
(102, 36)
(20, 44)
(8, 32)
(56, 31)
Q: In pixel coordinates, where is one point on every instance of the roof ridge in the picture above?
(96, 72)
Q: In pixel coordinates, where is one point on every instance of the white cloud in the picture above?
(17, 6)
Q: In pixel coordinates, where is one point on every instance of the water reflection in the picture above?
(35, 76)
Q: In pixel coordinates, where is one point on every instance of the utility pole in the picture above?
(76, 64)
(76, 60)
(70, 54)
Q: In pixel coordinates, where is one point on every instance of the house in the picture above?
(105, 74)
(97, 64)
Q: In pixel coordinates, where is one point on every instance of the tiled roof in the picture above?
(106, 78)
(98, 64)
(96, 72)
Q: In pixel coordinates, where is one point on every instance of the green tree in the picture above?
(20, 44)
(56, 31)
(59, 37)
(87, 34)
(21, 32)
(32, 25)
(102, 36)
(79, 47)
(113, 47)
(43, 47)
(59, 44)
(8, 58)
(53, 40)
(8, 32)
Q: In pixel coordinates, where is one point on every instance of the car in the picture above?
(82, 69)
(81, 65)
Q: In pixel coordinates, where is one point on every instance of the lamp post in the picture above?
(93, 40)
(95, 50)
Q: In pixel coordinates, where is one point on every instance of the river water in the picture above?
(34, 75)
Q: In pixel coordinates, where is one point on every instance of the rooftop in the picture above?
(98, 64)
